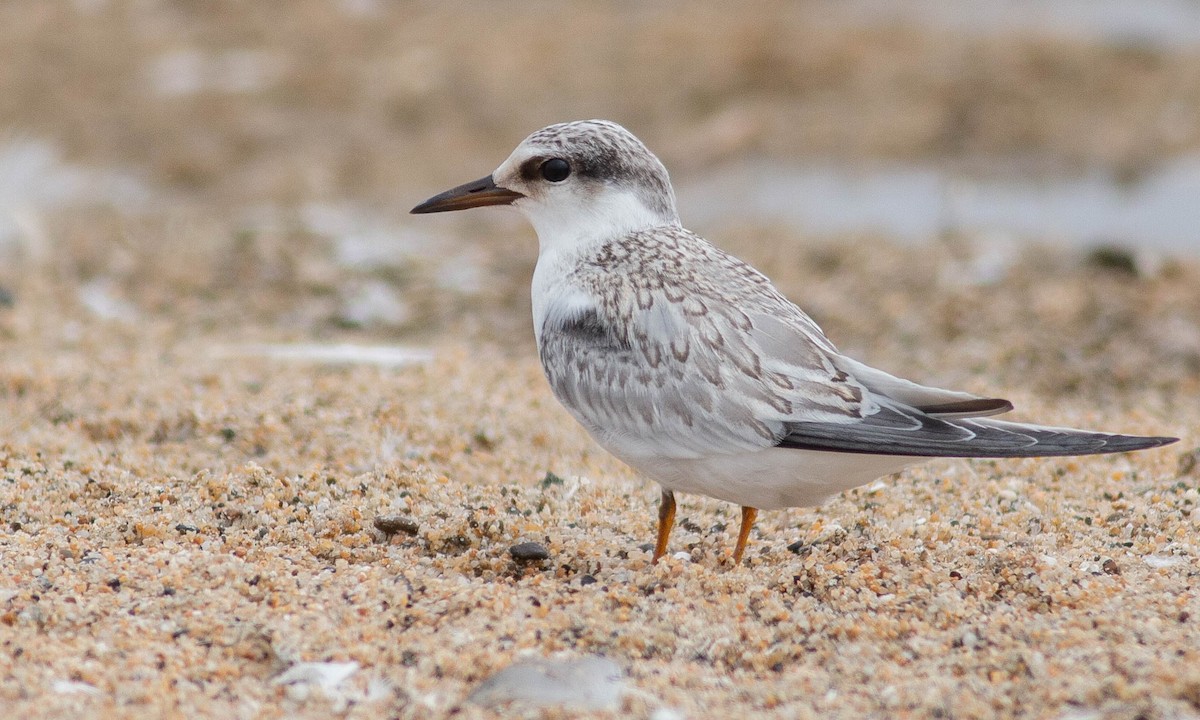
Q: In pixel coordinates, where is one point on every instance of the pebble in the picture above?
(586, 683)
(1188, 462)
(799, 547)
(391, 524)
(302, 678)
(67, 687)
(374, 304)
(528, 552)
(1113, 258)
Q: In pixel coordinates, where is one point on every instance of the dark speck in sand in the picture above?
(529, 552)
(391, 524)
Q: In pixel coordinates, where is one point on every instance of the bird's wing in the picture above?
(941, 403)
(900, 430)
(684, 396)
(709, 362)
(900, 417)
(661, 355)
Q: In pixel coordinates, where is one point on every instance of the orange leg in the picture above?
(666, 520)
(748, 516)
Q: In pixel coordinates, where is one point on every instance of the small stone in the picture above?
(6, 298)
(299, 679)
(586, 683)
(69, 687)
(1163, 561)
(391, 524)
(587, 580)
(1110, 567)
(1113, 258)
(800, 548)
(373, 303)
(1188, 462)
(529, 552)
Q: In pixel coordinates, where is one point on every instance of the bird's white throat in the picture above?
(568, 231)
(582, 223)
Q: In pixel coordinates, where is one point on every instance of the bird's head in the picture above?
(576, 182)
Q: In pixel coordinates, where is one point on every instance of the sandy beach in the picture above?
(269, 447)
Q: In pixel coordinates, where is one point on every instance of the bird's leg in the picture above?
(748, 516)
(666, 520)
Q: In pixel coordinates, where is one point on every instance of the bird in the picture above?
(688, 364)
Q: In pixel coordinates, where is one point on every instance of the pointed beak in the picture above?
(477, 193)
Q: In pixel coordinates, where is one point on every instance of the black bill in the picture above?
(477, 193)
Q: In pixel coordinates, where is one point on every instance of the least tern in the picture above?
(691, 367)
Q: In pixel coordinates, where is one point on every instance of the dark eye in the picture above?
(556, 170)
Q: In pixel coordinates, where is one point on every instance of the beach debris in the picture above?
(1113, 258)
(302, 678)
(1164, 561)
(336, 354)
(586, 683)
(184, 73)
(72, 687)
(1188, 462)
(102, 298)
(373, 303)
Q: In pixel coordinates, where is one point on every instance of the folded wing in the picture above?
(900, 430)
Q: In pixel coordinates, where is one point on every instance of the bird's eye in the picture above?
(556, 170)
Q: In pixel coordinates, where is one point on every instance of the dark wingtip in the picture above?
(1130, 443)
(979, 407)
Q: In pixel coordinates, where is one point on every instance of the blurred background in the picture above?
(246, 168)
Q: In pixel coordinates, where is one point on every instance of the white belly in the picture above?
(772, 478)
